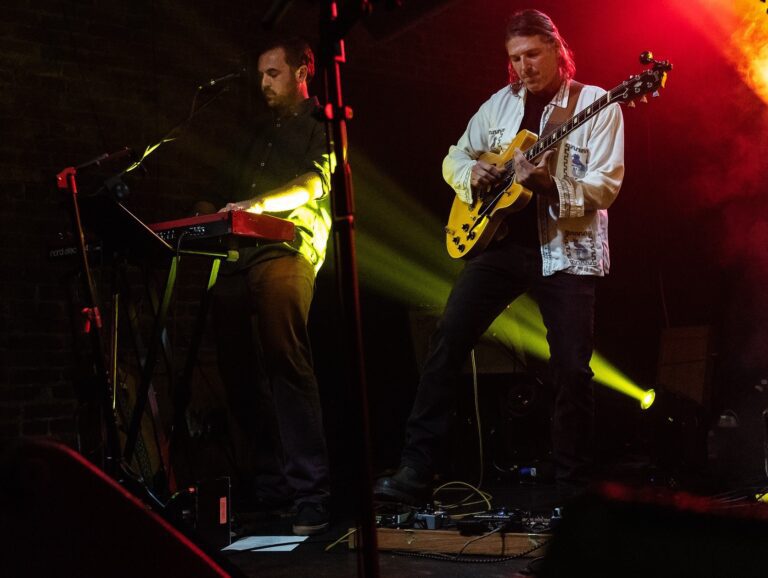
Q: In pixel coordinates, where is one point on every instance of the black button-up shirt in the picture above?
(281, 149)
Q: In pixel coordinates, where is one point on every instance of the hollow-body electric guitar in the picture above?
(472, 226)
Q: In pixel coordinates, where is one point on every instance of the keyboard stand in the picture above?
(125, 235)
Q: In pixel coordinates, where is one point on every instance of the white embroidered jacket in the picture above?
(589, 167)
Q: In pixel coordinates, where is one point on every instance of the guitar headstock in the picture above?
(636, 87)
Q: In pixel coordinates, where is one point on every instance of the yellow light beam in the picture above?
(390, 273)
(402, 255)
(521, 326)
(385, 212)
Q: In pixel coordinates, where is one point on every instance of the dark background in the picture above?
(688, 232)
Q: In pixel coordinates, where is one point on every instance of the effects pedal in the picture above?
(393, 519)
(430, 519)
(501, 519)
(424, 519)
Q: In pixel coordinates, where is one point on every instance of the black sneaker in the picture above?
(406, 485)
(311, 518)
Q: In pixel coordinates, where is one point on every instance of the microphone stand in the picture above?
(333, 28)
(66, 180)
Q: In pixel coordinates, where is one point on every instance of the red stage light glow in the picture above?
(740, 28)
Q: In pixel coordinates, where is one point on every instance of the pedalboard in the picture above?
(504, 531)
(499, 520)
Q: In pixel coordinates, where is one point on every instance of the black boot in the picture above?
(406, 485)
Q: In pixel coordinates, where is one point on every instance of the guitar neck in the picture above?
(559, 133)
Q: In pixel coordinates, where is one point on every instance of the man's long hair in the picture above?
(534, 23)
(297, 52)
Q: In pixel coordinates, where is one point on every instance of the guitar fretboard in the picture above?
(567, 127)
(572, 124)
(635, 86)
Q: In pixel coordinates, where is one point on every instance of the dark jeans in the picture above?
(265, 360)
(488, 283)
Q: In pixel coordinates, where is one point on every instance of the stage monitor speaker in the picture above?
(632, 533)
(685, 362)
(491, 356)
(61, 516)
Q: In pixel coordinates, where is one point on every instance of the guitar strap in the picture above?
(559, 114)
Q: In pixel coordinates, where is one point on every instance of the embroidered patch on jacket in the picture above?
(494, 139)
(580, 248)
(576, 161)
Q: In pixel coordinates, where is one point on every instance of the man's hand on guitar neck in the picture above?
(484, 177)
(535, 178)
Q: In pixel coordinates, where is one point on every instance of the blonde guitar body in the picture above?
(471, 227)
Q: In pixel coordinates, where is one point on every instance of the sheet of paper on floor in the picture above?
(281, 543)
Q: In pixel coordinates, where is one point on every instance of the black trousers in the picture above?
(265, 360)
(487, 284)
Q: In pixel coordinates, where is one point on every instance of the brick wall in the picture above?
(78, 79)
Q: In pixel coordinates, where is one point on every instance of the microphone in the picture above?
(226, 78)
(106, 158)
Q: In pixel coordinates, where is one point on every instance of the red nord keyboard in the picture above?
(216, 227)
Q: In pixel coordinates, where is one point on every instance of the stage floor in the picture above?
(329, 554)
(721, 527)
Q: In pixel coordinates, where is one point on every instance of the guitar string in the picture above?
(550, 139)
(557, 134)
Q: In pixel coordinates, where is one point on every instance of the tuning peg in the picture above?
(655, 93)
(643, 99)
(631, 104)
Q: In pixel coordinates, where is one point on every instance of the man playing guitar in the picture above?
(554, 247)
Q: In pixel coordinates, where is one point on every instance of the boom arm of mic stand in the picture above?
(168, 137)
